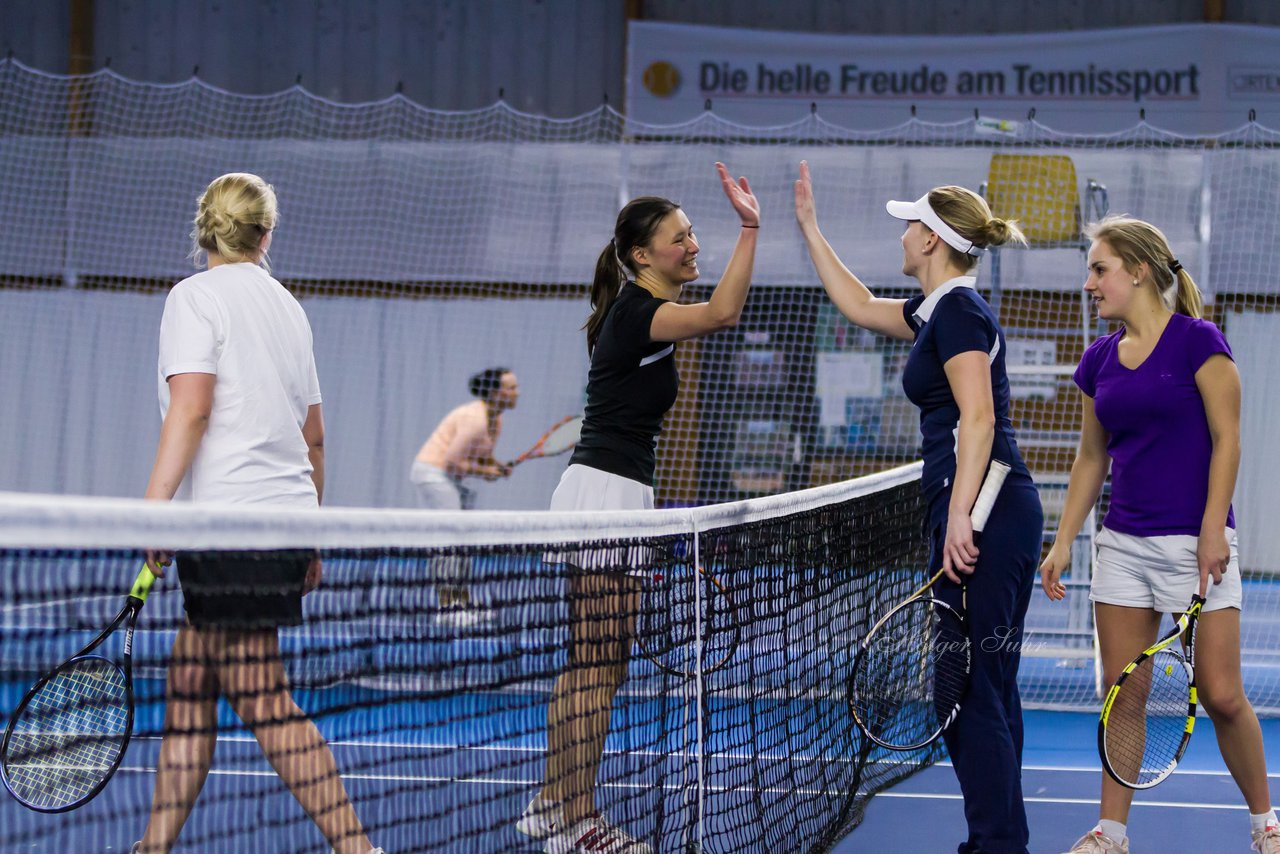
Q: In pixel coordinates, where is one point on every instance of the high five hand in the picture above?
(806, 214)
(740, 196)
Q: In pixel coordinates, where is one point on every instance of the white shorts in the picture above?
(438, 491)
(586, 488)
(1160, 573)
(435, 490)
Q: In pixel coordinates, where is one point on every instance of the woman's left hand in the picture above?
(740, 196)
(157, 560)
(1212, 554)
(314, 570)
(959, 554)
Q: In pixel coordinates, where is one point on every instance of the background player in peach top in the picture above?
(461, 446)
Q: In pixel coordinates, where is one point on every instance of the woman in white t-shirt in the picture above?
(242, 422)
(461, 446)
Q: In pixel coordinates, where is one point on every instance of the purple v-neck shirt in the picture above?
(1158, 435)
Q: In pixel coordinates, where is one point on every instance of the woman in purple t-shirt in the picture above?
(1161, 407)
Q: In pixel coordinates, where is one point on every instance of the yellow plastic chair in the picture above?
(1041, 192)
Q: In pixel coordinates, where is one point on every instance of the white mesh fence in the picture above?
(427, 245)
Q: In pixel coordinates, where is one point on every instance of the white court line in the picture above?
(1085, 801)
(790, 757)
(1098, 770)
(501, 781)
(794, 757)
(502, 748)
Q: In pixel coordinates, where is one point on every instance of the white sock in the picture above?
(1258, 823)
(1112, 830)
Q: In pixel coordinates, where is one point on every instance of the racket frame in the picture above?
(536, 452)
(734, 631)
(944, 611)
(1186, 624)
(992, 482)
(132, 607)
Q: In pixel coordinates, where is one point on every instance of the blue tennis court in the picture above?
(1196, 811)
(440, 737)
(425, 778)
(420, 791)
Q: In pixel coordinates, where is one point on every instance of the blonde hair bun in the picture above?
(232, 215)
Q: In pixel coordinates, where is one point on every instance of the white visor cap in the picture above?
(920, 210)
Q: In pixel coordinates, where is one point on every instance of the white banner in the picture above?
(1197, 78)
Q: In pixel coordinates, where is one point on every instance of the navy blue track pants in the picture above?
(985, 741)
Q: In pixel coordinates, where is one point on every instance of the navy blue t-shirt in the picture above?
(631, 385)
(960, 321)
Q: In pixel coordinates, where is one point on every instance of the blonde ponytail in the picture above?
(970, 216)
(1137, 242)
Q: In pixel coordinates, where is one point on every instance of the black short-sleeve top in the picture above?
(631, 385)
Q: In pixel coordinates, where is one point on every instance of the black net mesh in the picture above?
(710, 650)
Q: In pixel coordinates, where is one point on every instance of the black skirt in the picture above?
(243, 590)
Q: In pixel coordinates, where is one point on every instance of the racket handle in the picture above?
(142, 584)
(996, 474)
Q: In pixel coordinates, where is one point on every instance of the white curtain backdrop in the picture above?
(1253, 337)
(80, 413)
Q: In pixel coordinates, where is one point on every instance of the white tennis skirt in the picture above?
(583, 488)
(1159, 573)
(586, 488)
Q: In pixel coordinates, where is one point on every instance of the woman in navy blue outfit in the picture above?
(956, 375)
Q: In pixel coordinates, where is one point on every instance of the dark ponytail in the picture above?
(636, 224)
(604, 290)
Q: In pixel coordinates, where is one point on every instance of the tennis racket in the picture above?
(912, 669)
(562, 437)
(672, 609)
(70, 731)
(1148, 715)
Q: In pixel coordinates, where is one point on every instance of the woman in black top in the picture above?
(631, 337)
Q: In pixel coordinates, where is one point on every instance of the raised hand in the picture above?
(740, 196)
(806, 214)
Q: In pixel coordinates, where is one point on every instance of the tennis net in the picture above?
(731, 730)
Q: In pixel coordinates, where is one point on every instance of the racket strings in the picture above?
(1146, 726)
(562, 438)
(911, 675)
(69, 736)
(673, 612)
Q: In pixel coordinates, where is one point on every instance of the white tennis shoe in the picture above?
(595, 835)
(544, 819)
(1097, 842)
(1267, 841)
(541, 819)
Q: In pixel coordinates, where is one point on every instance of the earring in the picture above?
(1135, 283)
